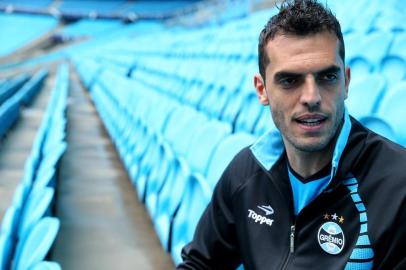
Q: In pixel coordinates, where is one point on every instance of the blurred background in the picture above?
(118, 117)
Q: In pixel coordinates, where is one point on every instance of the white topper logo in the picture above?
(267, 209)
(257, 218)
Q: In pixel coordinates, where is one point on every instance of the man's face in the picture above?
(306, 85)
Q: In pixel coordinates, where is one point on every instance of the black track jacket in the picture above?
(358, 222)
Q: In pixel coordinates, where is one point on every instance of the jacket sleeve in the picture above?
(214, 245)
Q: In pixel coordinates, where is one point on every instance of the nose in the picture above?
(310, 96)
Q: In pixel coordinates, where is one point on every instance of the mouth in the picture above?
(311, 121)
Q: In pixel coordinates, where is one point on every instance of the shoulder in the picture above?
(379, 165)
(242, 167)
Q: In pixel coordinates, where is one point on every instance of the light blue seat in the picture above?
(178, 138)
(364, 15)
(366, 56)
(365, 94)
(8, 235)
(217, 98)
(265, 122)
(249, 114)
(146, 136)
(392, 109)
(195, 199)
(224, 153)
(179, 119)
(202, 147)
(45, 178)
(233, 108)
(157, 177)
(45, 265)
(390, 20)
(10, 220)
(196, 162)
(169, 200)
(393, 66)
(33, 249)
(34, 209)
(378, 125)
(35, 84)
(6, 249)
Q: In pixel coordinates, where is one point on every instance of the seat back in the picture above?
(224, 153)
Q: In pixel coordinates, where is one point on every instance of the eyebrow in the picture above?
(283, 74)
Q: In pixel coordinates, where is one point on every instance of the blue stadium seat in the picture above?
(379, 126)
(6, 249)
(369, 89)
(175, 178)
(224, 153)
(265, 122)
(249, 114)
(194, 200)
(177, 138)
(392, 110)
(45, 265)
(393, 66)
(37, 204)
(365, 53)
(33, 249)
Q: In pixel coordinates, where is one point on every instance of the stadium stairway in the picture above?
(103, 224)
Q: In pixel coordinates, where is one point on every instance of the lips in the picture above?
(311, 120)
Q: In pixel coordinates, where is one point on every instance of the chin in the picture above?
(312, 144)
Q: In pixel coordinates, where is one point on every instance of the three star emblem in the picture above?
(334, 216)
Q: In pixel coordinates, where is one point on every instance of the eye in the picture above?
(328, 77)
(288, 82)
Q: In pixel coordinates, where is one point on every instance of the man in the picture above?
(334, 197)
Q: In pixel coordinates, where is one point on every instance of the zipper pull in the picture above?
(292, 239)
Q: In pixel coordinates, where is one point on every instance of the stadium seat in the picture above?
(35, 208)
(393, 66)
(392, 110)
(36, 245)
(265, 122)
(368, 88)
(224, 153)
(194, 200)
(44, 265)
(366, 53)
(379, 126)
(249, 114)
(6, 249)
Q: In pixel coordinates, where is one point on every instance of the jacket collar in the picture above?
(269, 147)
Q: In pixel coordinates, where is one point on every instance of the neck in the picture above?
(307, 164)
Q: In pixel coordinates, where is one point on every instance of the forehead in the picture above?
(302, 53)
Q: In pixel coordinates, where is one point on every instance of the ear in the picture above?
(260, 89)
(347, 74)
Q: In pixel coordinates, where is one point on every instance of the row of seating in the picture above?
(28, 228)
(11, 85)
(167, 152)
(17, 35)
(16, 93)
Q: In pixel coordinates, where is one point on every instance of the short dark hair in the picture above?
(302, 18)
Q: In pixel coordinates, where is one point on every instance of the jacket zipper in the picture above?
(292, 239)
(291, 247)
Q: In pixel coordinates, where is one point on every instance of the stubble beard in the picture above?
(317, 146)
